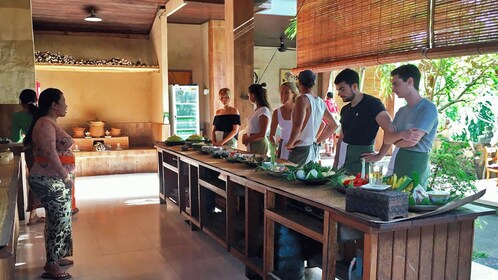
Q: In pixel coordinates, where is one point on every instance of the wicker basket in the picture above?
(385, 205)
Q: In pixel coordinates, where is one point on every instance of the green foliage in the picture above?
(464, 89)
(453, 168)
(291, 30)
(479, 255)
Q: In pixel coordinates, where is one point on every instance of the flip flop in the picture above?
(65, 262)
(75, 211)
(58, 276)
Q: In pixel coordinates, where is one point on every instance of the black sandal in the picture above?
(57, 276)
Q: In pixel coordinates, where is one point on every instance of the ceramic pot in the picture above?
(96, 128)
(78, 132)
(115, 132)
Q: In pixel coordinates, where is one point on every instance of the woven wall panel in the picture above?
(345, 30)
(334, 34)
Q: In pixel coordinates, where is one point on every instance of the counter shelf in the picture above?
(390, 249)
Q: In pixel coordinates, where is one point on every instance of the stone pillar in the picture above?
(17, 63)
(217, 65)
(239, 30)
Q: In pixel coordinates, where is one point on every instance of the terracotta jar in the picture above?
(78, 132)
(115, 132)
(96, 128)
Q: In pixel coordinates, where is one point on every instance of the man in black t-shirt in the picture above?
(360, 121)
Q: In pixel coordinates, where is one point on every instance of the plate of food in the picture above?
(314, 174)
(174, 140)
(375, 187)
(275, 169)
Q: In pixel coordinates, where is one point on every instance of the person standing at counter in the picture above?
(307, 116)
(360, 121)
(256, 139)
(414, 126)
(332, 107)
(51, 180)
(226, 123)
(21, 122)
(282, 118)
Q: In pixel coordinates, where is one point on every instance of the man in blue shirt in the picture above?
(414, 126)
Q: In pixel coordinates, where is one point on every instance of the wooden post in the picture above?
(239, 32)
(217, 66)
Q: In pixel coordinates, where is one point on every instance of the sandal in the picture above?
(65, 262)
(57, 276)
(75, 211)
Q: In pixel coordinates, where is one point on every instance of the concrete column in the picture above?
(17, 63)
(239, 31)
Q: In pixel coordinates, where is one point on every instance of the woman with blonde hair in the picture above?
(281, 118)
(226, 123)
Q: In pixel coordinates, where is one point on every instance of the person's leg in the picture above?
(74, 209)
(56, 199)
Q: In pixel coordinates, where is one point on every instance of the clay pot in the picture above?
(96, 128)
(115, 132)
(78, 132)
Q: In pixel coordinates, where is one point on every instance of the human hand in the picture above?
(413, 135)
(217, 143)
(371, 157)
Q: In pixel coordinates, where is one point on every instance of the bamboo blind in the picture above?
(334, 34)
(464, 27)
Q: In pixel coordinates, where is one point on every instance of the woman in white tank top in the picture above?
(281, 118)
(256, 138)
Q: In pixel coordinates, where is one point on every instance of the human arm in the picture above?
(16, 130)
(235, 130)
(273, 127)
(384, 120)
(213, 134)
(329, 128)
(298, 115)
(338, 149)
(263, 126)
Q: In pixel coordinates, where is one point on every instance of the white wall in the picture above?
(281, 60)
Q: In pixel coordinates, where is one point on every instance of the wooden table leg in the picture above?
(329, 246)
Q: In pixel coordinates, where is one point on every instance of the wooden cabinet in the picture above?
(244, 211)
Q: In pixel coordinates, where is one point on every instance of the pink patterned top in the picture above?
(49, 142)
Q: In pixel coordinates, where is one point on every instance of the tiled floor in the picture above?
(121, 232)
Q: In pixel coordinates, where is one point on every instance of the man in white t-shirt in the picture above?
(307, 115)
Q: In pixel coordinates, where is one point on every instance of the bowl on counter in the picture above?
(438, 196)
(78, 132)
(115, 132)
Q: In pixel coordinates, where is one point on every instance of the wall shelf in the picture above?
(85, 68)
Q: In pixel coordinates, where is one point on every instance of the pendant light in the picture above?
(93, 17)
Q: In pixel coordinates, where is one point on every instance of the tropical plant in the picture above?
(291, 30)
(452, 168)
(464, 89)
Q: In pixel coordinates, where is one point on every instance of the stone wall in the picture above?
(17, 66)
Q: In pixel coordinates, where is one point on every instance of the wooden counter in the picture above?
(240, 208)
(9, 226)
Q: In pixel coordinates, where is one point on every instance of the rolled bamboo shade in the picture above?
(459, 23)
(334, 34)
